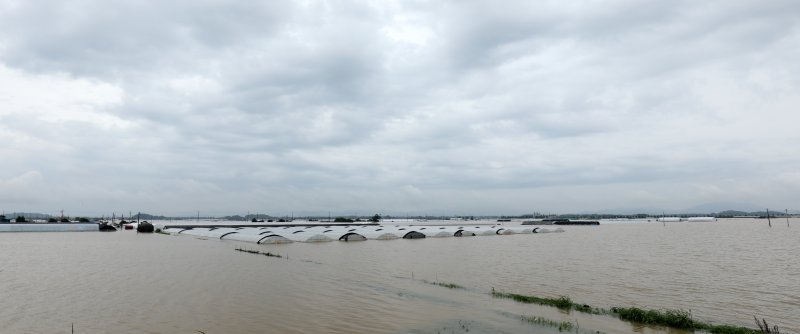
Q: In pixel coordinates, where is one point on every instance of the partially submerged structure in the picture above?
(347, 233)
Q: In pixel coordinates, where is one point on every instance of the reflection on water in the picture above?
(724, 272)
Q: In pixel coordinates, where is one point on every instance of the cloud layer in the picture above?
(394, 107)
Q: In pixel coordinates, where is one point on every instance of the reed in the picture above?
(563, 326)
(763, 326)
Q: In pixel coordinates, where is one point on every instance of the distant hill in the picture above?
(723, 206)
(734, 213)
(626, 211)
(147, 216)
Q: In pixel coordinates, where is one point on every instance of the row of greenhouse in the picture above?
(287, 234)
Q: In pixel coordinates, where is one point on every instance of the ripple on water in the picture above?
(725, 272)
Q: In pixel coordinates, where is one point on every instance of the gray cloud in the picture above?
(443, 107)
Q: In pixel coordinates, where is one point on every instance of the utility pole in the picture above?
(768, 220)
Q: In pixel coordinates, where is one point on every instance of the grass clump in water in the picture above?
(563, 326)
(448, 285)
(671, 318)
(679, 319)
(258, 252)
(765, 328)
(562, 302)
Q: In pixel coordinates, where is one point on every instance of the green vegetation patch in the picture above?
(562, 302)
(448, 285)
(563, 326)
(679, 319)
(670, 318)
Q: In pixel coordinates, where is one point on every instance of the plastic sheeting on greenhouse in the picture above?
(303, 235)
(377, 233)
(435, 231)
(266, 238)
(324, 233)
(547, 230)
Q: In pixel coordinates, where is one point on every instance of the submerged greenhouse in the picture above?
(347, 233)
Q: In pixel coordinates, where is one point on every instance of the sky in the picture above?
(398, 107)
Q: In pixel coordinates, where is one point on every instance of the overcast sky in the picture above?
(358, 107)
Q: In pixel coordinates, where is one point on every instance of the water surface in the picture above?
(724, 272)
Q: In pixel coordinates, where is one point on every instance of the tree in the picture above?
(20, 219)
(343, 220)
(376, 218)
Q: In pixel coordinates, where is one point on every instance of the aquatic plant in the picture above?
(448, 285)
(679, 319)
(671, 318)
(562, 302)
(258, 252)
(563, 326)
(765, 328)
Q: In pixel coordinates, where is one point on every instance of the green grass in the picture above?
(448, 285)
(670, 318)
(563, 326)
(562, 302)
(678, 319)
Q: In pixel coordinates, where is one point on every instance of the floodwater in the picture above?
(123, 282)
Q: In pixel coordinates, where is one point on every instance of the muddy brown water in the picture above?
(123, 282)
